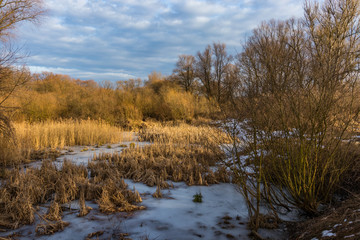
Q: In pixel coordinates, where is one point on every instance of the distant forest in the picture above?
(195, 90)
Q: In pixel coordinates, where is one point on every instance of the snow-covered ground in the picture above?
(80, 155)
(222, 214)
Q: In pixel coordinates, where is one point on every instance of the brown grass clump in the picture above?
(115, 197)
(157, 193)
(178, 153)
(23, 190)
(50, 228)
(191, 157)
(54, 213)
(84, 210)
(191, 164)
(95, 234)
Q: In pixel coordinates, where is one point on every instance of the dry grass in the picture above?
(188, 163)
(34, 141)
(157, 193)
(9, 154)
(178, 153)
(59, 134)
(343, 222)
(50, 228)
(23, 190)
(182, 133)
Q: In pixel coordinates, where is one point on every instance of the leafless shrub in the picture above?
(296, 98)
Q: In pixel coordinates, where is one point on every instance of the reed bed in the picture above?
(55, 135)
(178, 153)
(205, 136)
(23, 190)
(36, 141)
(157, 163)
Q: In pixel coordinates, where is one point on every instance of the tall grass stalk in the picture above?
(178, 153)
(185, 134)
(51, 134)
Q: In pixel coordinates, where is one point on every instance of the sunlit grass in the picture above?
(51, 134)
(184, 134)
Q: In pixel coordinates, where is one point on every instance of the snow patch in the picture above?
(328, 233)
(350, 236)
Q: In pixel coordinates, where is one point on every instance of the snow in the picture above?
(328, 233)
(80, 155)
(350, 236)
(175, 216)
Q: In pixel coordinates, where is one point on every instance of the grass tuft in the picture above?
(197, 198)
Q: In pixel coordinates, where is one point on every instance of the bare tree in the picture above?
(204, 63)
(221, 64)
(211, 69)
(297, 91)
(13, 12)
(185, 72)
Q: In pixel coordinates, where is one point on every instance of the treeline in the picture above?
(198, 86)
(49, 96)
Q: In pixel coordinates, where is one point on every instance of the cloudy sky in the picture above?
(122, 39)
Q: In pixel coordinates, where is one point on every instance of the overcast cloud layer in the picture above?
(122, 39)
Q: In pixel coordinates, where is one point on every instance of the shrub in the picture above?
(180, 104)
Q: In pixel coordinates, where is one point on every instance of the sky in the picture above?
(122, 39)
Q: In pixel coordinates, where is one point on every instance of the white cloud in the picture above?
(77, 73)
(91, 38)
(199, 7)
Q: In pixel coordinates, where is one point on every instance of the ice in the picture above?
(177, 217)
(80, 155)
(350, 236)
(223, 213)
(328, 233)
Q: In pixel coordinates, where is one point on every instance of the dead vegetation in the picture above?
(178, 153)
(340, 223)
(191, 164)
(182, 133)
(26, 188)
(43, 140)
(50, 228)
(95, 234)
(58, 134)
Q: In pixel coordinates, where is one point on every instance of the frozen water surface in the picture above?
(175, 216)
(222, 214)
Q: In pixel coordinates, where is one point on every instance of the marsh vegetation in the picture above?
(279, 120)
